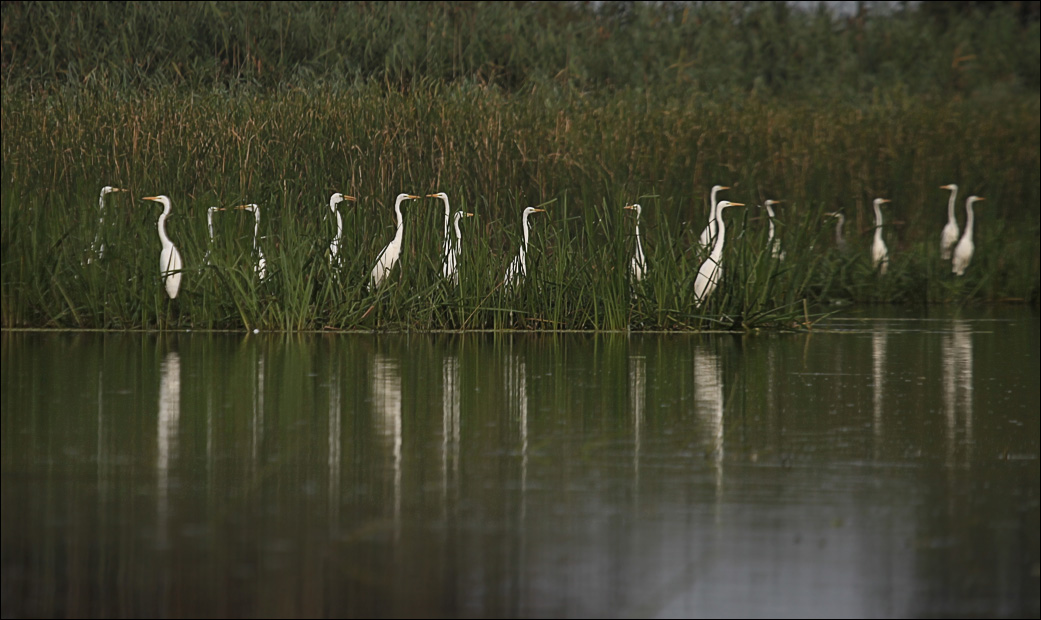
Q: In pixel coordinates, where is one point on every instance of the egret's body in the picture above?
(774, 243)
(170, 263)
(711, 271)
(449, 254)
(452, 259)
(840, 239)
(390, 254)
(963, 251)
(97, 248)
(709, 233)
(518, 269)
(879, 252)
(949, 236)
(334, 245)
(638, 264)
(261, 265)
(209, 227)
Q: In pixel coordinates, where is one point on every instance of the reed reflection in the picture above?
(386, 401)
(257, 423)
(335, 445)
(169, 416)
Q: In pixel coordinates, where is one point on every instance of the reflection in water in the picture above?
(169, 414)
(708, 403)
(957, 384)
(335, 456)
(449, 424)
(386, 400)
(257, 424)
(879, 340)
(637, 398)
(517, 406)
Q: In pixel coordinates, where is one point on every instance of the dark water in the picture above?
(876, 467)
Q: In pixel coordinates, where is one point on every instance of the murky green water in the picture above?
(883, 467)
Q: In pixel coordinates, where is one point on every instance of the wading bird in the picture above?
(449, 255)
(879, 252)
(709, 234)
(209, 227)
(518, 269)
(949, 236)
(97, 248)
(390, 254)
(261, 266)
(170, 263)
(963, 251)
(840, 239)
(775, 244)
(451, 271)
(711, 271)
(334, 245)
(638, 265)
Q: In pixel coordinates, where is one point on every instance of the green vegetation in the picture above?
(504, 106)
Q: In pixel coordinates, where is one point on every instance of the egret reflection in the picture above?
(708, 407)
(879, 341)
(517, 406)
(169, 416)
(335, 454)
(637, 398)
(386, 401)
(449, 423)
(957, 383)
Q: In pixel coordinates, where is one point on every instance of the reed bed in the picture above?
(281, 105)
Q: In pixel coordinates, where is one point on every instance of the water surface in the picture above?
(879, 466)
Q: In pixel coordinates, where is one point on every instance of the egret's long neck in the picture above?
(209, 222)
(950, 207)
(639, 246)
(256, 225)
(101, 202)
(458, 234)
(838, 229)
(717, 249)
(968, 221)
(401, 222)
(339, 225)
(524, 246)
(878, 222)
(162, 226)
(448, 214)
(770, 212)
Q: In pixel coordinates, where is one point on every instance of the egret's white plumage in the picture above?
(774, 243)
(170, 263)
(879, 251)
(638, 264)
(963, 251)
(261, 264)
(209, 227)
(334, 245)
(709, 233)
(97, 248)
(518, 269)
(390, 254)
(949, 236)
(840, 239)
(449, 255)
(451, 271)
(711, 271)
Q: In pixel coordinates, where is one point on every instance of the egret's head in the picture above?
(951, 187)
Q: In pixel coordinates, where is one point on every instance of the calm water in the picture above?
(877, 467)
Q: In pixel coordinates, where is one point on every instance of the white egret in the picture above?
(209, 227)
(334, 245)
(711, 271)
(775, 244)
(879, 252)
(449, 256)
(840, 239)
(261, 266)
(963, 251)
(709, 233)
(170, 263)
(97, 248)
(638, 265)
(949, 236)
(452, 259)
(518, 269)
(390, 254)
